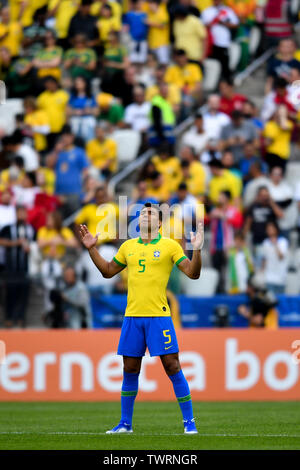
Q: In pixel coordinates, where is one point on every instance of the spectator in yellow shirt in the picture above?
(168, 166)
(46, 177)
(107, 23)
(159, 30)
(157, 187)
(28, 9)
(38, 122)
(115, 8)
(174, 95)
(277, 134)
(54, 102)
(185, 75)
(100, 216)
(102, 152)
(193, 172)
(11, 33)
(47, 61)
(62, 11)
(190, 34)
(54, 237)
(223, 180)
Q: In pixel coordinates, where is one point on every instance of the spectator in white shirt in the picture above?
(7, 209)
(258, 180)
(220, 20)
(7, 217)
(282, 193)
(275, 251)
(137, 113)
(196, 138)
(213, 119)
(25, 193)
(14, 144)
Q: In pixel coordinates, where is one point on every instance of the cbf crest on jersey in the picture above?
(156, 254)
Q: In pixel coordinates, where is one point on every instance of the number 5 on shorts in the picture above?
(165, 333)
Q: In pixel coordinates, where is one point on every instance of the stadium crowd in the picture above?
(87, 70)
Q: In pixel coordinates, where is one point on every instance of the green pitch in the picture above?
(258, 425)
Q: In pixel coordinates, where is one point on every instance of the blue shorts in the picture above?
(156, 333)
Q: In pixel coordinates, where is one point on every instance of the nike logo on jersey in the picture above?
(169, 347)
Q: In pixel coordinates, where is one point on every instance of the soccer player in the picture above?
(147, 321)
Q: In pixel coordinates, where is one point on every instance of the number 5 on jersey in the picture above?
(141, 263)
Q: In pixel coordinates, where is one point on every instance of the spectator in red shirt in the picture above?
(230, 101)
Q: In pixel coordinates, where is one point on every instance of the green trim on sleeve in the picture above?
(119, 263)
(180, 259)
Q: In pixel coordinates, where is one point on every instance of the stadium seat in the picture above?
(128, 142)
(292, 286)
(254, 39)
(8, 111)
(293, 173)
(212, 73)
(234, 55)
(205, 286)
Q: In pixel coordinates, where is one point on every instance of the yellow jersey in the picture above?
(159, 36)
(185, 77)
(38, 118)
(281, 138)
(54, 104)
(13, 38)
(189, 35)
(171, 171)
(66, 9)
(47, 235)
(149, 267)
(102, 220)
(100, 153)
(225, 182)
(196, 181)
(174, 94)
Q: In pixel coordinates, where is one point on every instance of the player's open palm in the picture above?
(197, 239)
(87, 238)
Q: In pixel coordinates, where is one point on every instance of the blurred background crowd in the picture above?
(97, 87)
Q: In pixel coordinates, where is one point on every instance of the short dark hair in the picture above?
(185, 164)
(227, 80)
(66, 129)
(280, 82)
(226, 193)
(180, 52)
(19, 161)
(215, 163)
(182, 186)
(262, 188)
(154, 175)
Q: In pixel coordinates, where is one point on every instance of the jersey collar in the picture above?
(153, 242)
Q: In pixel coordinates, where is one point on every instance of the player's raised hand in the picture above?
(197, 239)
(87, 238)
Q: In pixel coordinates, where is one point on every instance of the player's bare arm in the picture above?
(192, 268)
(108, 269)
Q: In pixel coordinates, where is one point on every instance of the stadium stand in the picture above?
(177, 102)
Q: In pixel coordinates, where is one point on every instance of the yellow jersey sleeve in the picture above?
(81, 217)
(67, 234)
(120, 257)
(177, 254)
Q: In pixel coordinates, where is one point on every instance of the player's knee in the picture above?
(132, 369)
(172, 367)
